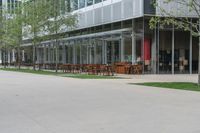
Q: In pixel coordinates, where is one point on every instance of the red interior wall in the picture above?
(147, 49)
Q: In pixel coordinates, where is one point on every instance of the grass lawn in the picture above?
(174, 85)
(61, 74)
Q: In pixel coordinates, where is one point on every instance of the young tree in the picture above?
(5, 37)
(185, 16)
(15, 30)
(36, 14)
(59, 21)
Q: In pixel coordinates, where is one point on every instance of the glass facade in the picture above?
(82, 3)
(163, 50)
(78, 4)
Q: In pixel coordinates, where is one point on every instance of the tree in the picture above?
(185, 16)
(59, 21)
(36, 15)
(15, 30)
(6, 41)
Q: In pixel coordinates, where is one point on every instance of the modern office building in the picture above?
(111, 31)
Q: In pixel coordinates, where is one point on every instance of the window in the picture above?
(74, 4)
(98, 1)
(89, 2)
(81, 3)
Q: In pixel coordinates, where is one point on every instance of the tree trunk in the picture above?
(56, 56)
(34, 57)
(5, 58)
(19, 57)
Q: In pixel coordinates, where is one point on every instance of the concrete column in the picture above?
(95, 53)
(38, 55)
(134, 58)
(190, 63)
(122, 49)
(105, 50)
(13, 55)
(113, 52)
(53, 54)
(158, 49)
(69, 54)
(49, 54)
(23, 56)
(81, 61)
(0, 57)
(173, 50)
(45, 54)
(9, 61)
(87, 47)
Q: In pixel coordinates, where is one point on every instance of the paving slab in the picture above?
(31, 103)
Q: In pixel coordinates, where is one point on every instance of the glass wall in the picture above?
(74, 4)
(60, 54)
(147, 47)
(128, 49)
(89, 2)
(165, 51)
(84, 52)
(99, 52)
(91, 55)
(78, 4)
(195, 55)
(113, 51)
(70, 54)
(81, 3)
(181, 51)
(97, 1)
(78, 56)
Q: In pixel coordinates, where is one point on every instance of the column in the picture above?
(87, 47)
(158, 48)
(74, 53)
(81, 61)
(122, 49)
(190, 66)
(95, 53)
(45, 55)
(112, 52)
(134, 58)
(173, 50)
(37, 55)
(53, 53)
(105, 50)
(49, 54)
(13, 55)
(0, 56)
(23, 56)
(69, 53)
(154, 52)
(8, 57)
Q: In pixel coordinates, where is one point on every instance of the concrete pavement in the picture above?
(47, 104)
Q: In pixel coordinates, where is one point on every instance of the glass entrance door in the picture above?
(113, 51)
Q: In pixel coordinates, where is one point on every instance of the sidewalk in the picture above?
(163, 77)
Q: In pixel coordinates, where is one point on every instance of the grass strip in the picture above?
(173, 85)
(61, 74)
